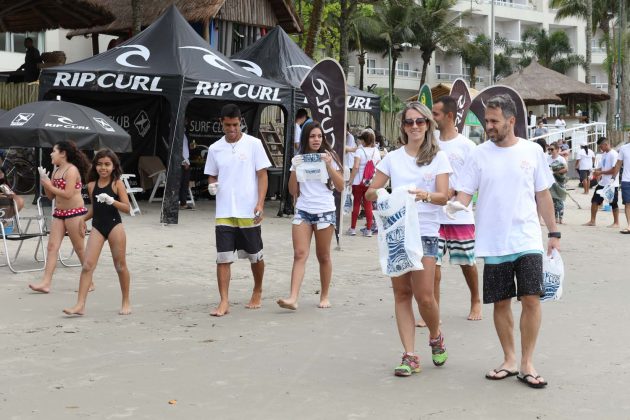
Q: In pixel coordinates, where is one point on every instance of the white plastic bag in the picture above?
(607, 193)
(399, 240)
(553, 276)
(347, 205)
(311, 168)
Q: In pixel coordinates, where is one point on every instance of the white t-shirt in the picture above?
(365, 154)
(624, 155)
(457, 150)
(315, 197)
(350, 142)
(585, 160)
(507, 179)
(235, 165)
(296, 138)
(609, 159)
(551, 160)
(402, 170)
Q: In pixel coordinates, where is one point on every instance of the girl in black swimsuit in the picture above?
(109, 196)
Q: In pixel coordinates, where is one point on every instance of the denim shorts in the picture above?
(321, 220)
(430, 246)
(625, 192)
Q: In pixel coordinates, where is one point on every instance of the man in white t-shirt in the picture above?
(584, 165)
(236, 166)
(457, 236)
(605, 172)
(623, 161)
(512, 178)
(300, 118)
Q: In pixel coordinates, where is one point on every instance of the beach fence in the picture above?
(16, 94)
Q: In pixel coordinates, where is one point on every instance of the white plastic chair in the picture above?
(135, 208)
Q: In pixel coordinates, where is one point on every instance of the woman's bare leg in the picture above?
(423, 283)
(74, 227)
(118, 245)
(90, 259)
(403, 296)
(57, 232)
(322, 249)
(301, 235)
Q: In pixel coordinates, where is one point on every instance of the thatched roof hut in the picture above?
(442, 89)
(40, 15)
(266, 13)
(539, 85)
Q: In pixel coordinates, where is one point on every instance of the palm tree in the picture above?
(601, 12)
(436, 26)
(551, 50)
(476, 54)
(315, 23)
(136, 16)
(392, 26)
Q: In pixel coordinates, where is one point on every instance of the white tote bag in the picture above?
(399, 240)
(553, 276)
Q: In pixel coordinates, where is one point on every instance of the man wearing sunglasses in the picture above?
(456, 236)
(513, 178)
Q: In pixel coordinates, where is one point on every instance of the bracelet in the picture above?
(554, 235)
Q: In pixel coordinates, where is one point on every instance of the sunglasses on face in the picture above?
(408, 122)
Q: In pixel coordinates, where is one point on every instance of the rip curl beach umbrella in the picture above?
(44, 123)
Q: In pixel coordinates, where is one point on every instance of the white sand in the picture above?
(306, 364)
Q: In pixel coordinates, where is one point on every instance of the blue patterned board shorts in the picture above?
(321, 220)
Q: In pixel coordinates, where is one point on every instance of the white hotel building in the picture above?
(512, 18)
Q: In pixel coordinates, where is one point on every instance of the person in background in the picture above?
(8, 192)
(31, 60)
(184, 184)
(301, 116)
(559, 168)
(541, 130)
(584, 165)
(367, 152)
(605, 174)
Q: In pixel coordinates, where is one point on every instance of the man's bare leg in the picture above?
(594, 208)
(627, 211)
(472, 280)
(258, 270)
(223, 279)
(504, 325)
(531, 317)
(615, 223)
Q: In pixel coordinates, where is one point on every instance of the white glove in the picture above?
(453, 207)
(105, 198)
(43, 175)
(297, 160)
(213, 188)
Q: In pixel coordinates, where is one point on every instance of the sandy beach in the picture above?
(171, 360)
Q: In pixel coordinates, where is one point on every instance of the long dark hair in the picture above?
(74, 156)
(323, 148)
(105, 153)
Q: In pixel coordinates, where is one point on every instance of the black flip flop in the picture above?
(498, 378)
(625, 232)
(531, 384)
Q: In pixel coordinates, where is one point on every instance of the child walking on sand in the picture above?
(314, 211)
(65, 189)
(108, 195)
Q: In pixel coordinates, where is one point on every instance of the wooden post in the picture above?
(95, 49)
(206, 30)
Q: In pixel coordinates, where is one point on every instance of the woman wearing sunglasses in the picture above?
(419, 163)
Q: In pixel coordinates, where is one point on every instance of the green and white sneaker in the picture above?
(438, 350)
(410, 364)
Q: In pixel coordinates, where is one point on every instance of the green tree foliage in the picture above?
(551, 50)
(435, 26)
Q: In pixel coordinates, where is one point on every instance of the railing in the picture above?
(582, 134)
(602, 86)
(525, 6)
(380, 71)
(454, 76)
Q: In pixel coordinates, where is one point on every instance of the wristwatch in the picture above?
(554, 235)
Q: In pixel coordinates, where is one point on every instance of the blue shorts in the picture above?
(430, 246)
(321, 220)
(625, 192)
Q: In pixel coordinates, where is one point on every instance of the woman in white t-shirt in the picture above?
(314, 210)
(559, 168)
(419, 163)
(584, 166)
(367, 152)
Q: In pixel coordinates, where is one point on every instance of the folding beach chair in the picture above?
(14, 230)
(135, 208)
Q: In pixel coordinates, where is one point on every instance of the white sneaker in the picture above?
(351, 232)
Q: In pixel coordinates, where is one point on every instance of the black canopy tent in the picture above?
(157, 74)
